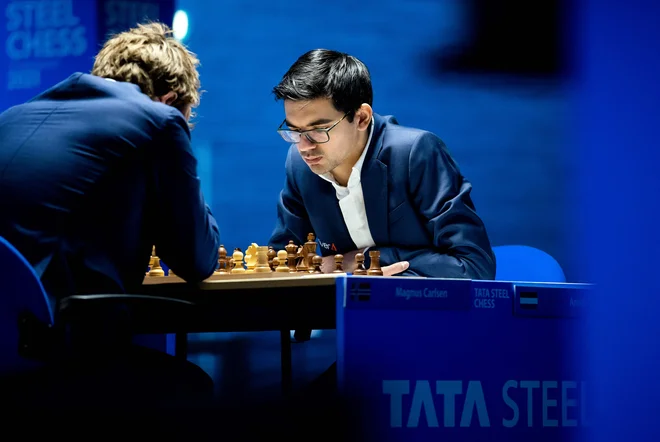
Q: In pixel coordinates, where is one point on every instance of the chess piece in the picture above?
(156, 269)
(309, 251)
(237, 256)
(359, 265)
(339, 261)
(310, 246)
(316, 264)
(222, 260)
(302, 261)
(282, 267)
(262, 265)
(251, 258)
(310, 261)
(291, 249)
(374, 267)
(272, 254)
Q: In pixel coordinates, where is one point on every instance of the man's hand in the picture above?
(328, 264)
(397, 267)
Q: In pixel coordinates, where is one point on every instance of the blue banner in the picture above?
(118, 15)
(45, 41)
(472, 361)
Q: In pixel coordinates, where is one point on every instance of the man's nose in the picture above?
(305, 144)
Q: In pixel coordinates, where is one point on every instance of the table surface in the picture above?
(271, 280)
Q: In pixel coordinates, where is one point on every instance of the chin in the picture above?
(319, 169)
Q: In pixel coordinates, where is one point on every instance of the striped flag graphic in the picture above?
(529, 300)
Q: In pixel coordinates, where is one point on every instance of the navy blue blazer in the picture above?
(417, 202)
(92, 174)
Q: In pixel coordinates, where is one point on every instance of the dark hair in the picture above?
(322, 73)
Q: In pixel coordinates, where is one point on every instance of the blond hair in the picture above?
(151, 58)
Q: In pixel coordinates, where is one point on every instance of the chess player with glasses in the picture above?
(362, 182)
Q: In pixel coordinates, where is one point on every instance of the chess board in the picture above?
(257, 297)
(262, 264)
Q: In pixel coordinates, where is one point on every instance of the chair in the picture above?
(525, 263)
(26, 315)
(33, 331)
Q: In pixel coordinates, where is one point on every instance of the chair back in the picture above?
(21, 295)
(528, 264)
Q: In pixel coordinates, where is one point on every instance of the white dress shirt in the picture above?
(351, 201)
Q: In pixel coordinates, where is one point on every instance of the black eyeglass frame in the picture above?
(326, 130)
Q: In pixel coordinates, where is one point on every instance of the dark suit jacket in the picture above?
(417, 202)
(92, 174)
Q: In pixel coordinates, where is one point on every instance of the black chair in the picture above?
(80, 353)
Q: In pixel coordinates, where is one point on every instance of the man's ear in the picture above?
(364, 114)
(168, 98)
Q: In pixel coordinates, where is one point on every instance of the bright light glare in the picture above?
(180, 25)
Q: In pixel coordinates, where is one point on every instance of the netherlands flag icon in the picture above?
(529, 300)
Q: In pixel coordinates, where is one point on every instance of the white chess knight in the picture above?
(251, 257)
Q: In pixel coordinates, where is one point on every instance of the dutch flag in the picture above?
(529, 300)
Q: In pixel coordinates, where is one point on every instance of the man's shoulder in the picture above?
(102, 107)
(129, 95)
(93, 91)
(398, 138)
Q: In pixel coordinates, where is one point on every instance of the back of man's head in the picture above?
(150, 57)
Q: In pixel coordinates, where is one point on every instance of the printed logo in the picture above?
(328, 246)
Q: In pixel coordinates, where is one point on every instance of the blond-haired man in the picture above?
(98, 168)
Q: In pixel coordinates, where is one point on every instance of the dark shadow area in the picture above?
(294, 419)
(512, 37)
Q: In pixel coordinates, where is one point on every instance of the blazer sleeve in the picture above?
(441, 196)
(292, 222)
(187, 237)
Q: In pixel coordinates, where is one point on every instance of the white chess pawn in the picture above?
(238, 262)
(282, 267)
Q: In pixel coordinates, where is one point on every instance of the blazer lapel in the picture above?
(375, 191)
(375, 186)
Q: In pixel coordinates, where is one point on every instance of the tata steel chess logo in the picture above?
(360, 291)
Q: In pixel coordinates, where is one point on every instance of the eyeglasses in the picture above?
(316, 136)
